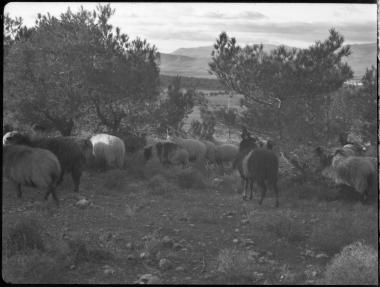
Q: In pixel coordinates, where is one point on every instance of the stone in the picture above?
(131, 257)
(165, 264)
(108, 270)
(129, 245)
(321, 255)
(82, 203)
(180, 269)
(167, 241)
(244, 221)
(148, 279)
(235, 240)
(177, 246)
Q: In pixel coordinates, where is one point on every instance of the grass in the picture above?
(338, 228)
(356, 264)
(207, 220)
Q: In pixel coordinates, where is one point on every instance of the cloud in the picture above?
(249, 15)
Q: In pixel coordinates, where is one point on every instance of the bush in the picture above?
(158, 185)
(237, 265)
(357, 264)
(340, 228)
(284, 225)
(191, 178)
(25, 235)
(32, 267)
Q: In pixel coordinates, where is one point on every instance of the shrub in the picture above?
(284, 225)
(158, 185)
(237, 265)
(25, 235)
(340, 228)
(191, 178)
(357, 264)
(32, 267)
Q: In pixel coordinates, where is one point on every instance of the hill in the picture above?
(193, 62)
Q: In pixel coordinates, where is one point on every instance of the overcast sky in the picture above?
(170, 26)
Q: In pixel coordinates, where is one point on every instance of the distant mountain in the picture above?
(193, 62)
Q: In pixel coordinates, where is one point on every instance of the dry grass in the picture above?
(338, 228)
(356, 264)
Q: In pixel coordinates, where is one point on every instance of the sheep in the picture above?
(167, 153)
(210, 152)
(257, 165)
(226, 153)
(353, 149)
(72, 152)
(108, 150)
(32, 167)
(197, 150)
(358, 172)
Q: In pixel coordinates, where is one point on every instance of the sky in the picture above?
(170, 26)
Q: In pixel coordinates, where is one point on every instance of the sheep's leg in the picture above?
(245, 186)
(263, 191)
(275, 188)
(51, 190)
(18, 188)
(242, 184)
(76, 175)
(251, 189)
(61, 177)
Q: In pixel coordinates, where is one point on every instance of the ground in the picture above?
(185, 227)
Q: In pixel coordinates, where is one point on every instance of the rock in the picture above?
(269, 253)
(144, 255)
(108, 270)
(248, 242)
(244, 221)
(165, 264)
(191, 225)
(131, 257)
(253, 253)
(236, 229)
(180, 269)
(148, 279)
(235, 240)
(177, 246)
(321, 255)
(167, 242)
(129, 245)
(82, 203)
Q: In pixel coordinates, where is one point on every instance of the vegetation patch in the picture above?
(356, 264)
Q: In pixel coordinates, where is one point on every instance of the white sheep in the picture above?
(197, 150)
(210, 153)
(226, 153)
(108, 150)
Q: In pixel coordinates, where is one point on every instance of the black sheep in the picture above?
(257, 165)
(72, 152)
(32, 167)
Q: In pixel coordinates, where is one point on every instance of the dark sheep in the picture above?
(358, 172)
(72, 152)
(257, 165)
(167, 153)
(32, 167)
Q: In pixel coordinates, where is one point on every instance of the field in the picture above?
(180, 226)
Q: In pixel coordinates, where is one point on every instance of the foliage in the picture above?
(356, 264)
(286, 89)
(227, 116)
(175, 108)
(73, 70)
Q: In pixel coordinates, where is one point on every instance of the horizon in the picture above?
(172, 26)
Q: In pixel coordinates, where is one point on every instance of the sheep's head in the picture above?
(15, 137)
(148, 152)
(247, 144)
(325, 158)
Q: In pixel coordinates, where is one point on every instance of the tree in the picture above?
(228, 116)
(286, 89)
(73, 70)
(176, 107)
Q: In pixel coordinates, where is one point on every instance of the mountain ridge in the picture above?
(193, 62)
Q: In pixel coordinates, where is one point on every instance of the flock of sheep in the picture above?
(41, 162)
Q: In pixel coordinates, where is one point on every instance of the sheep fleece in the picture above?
(109, 148)
(30, 166)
